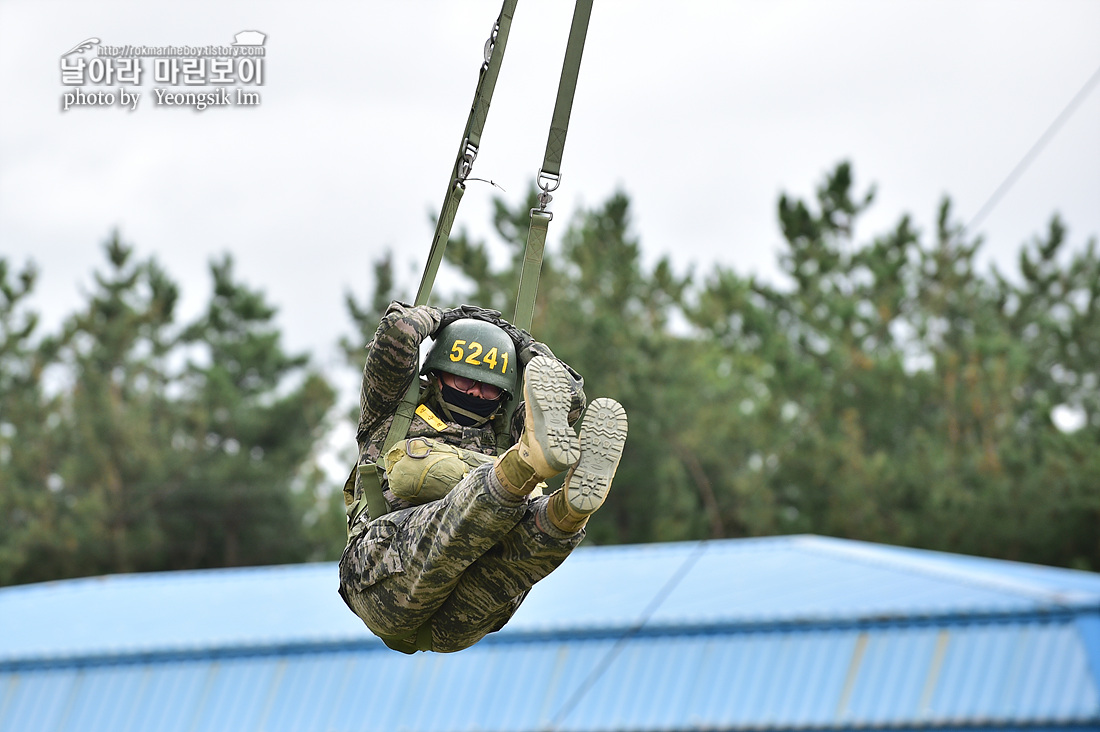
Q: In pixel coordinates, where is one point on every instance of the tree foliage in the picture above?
(909, 398)
(890, 390)
(885, 390)
(27, 516)
(155, 446)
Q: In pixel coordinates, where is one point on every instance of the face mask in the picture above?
(469, 403)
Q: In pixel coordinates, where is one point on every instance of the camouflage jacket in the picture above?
(392, 362)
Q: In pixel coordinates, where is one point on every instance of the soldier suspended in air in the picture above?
(448, 527)
(466, 533)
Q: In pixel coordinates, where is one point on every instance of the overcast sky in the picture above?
(703, 112)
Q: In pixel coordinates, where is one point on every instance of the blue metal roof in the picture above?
(735, 582)
(781, 633)
(175, 612)
(1023, 673)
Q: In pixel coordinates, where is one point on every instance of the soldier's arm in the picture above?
(393, 356)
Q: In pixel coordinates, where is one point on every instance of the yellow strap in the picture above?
(429, 416)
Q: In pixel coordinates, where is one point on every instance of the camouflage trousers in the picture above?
(453, 570)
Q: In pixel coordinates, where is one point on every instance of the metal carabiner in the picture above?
(417, 456)
(466, 164)
(547, 182)
(490, 44)
(551, 182)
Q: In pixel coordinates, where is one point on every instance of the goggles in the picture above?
(470, 386)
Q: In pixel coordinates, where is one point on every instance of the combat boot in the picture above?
(548, 445)
(602, 438)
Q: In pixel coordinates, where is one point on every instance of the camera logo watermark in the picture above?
(197, 77)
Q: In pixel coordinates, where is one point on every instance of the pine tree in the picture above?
(251, 416)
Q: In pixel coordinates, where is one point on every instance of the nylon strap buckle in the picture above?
(469, 155)
(547, 182)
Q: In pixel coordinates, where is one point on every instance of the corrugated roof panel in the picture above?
(741, 682)
(891, 676)
(572, 664)
(594, 703)
(230, 701)
(472, 680)
(1050, 579)
(518, 669)
(733, 677)
(817, 580)
(829, 654)
(175, 611)
(34, 701)
(777, 580)
(174, 693)
(1064, 689)
(793, 632)
(776, 703)
(1008, 672)
(818, 663)
(324, 681)
(92, 703)
(342, 689)
(785, 579)
(652, 685)
(173, 698)
(1005, 673)
(730, 675)
(761, 680)
(600, 587)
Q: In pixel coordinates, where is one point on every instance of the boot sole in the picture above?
(548, 391)
(602, 438)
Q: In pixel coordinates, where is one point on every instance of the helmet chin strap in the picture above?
(435, 392)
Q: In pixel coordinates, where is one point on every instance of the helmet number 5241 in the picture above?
(458, 353)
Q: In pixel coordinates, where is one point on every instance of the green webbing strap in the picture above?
(467, 151)
(529, 270)
(502, 428)
(456, 186)
(494, 55)
(525, 302)
(567, 85)
(550, 174)
(439, 241)
(370, 480)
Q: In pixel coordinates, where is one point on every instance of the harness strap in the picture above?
(548, 179)
(471, 141)
(567, 86)
(467, 153)
(530, 268)
(549, 175)
(370, 480)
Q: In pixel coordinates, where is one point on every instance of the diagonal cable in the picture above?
(605, 663)
(1028, 158)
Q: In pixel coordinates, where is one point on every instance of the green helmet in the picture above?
(477, 350)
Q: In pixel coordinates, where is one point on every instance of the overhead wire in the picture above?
(612, 653)
(1029, 157)
(673, 582)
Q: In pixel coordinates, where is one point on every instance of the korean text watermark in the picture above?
(195, 77)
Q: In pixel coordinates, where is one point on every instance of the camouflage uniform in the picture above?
(457, 568)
